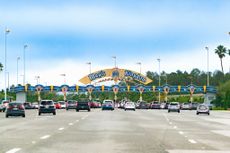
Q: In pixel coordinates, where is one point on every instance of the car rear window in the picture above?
(174, 104)
(71, 102)
(202, 107)
(47, 102)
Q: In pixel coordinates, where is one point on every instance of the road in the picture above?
(119, 131)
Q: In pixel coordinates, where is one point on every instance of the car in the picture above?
(174, 107)
(15, 109)
(155, 105)
(63, 104)
(107, 105)
(4, 105)
(186, 106)
(202, 109)
(93, 104)
(35, 105)
(143, 105)
(71, 104)
(28, 105)
(83, 105)
(129, 106)
(47, 106)
(57, 105)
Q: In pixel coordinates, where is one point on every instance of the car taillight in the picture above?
(10, 107)
(21, 107)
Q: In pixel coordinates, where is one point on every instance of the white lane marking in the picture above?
(166, 118)
(83, 118)
(77, 120)
(60, 129)
(70, 123)
(170, 122)
(13, 150)
(33, 142)
(192, 141)
(175, 127)
(45, 137)
(181, 132)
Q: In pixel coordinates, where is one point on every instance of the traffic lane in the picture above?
(119, 131)
(20, 132)
(202, 129)
(105, 131)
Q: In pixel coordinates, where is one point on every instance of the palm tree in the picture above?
(221, 51)
(1, 66)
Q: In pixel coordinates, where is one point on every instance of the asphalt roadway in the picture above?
(119, 131)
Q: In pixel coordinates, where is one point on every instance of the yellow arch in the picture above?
(115, 73)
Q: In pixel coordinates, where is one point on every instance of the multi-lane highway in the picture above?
(119, 131)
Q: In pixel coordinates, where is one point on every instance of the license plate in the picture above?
(15, 108)
(47, 106)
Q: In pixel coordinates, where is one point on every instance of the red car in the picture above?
(57, 105)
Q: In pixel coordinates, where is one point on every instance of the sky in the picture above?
(62, 36)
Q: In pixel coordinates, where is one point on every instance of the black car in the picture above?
(143, 105)
(28, 105)
(15, 109)
(46, 106)
(83, 105)
(71, 104)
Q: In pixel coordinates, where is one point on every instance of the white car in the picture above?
(202, 109)
(174, 107)
(63, 104)
(129, 106)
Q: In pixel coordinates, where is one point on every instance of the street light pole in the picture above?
(18, 58)
(139, 63)
(159, 60)
(24, 63)
(7, 31)
(115, 61)
(207, 65)
(64, 75)
(37, 78)
(8, 80)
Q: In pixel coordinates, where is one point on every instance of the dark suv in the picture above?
(15, 109)
(83, 105)
(46, 106)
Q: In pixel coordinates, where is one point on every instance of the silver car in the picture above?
(174, 107)
(202, 109)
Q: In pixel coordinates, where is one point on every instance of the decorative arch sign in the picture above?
(116, 74)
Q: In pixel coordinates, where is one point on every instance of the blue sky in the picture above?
(63, 35)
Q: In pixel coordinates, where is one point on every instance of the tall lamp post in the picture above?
(24, 63)
(18, 58)
(115, 61)
(7, 31)
(139, 63)
(207, 65)
(64, 76)
(37, 78)
(8, 80)
(159, 61)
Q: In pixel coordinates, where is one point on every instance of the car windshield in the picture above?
(202, 107)
(71, 102)
(46, 102)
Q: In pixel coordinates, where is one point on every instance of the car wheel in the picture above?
(77, 110)
(54, 113)
(7, 116)
(168, 111)
(39, 113)
(178, 111)
(134, 109)
(88, 110)
(197, 113)
(67, 109)
(208, 113)
(23, 115)
(125, 109)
